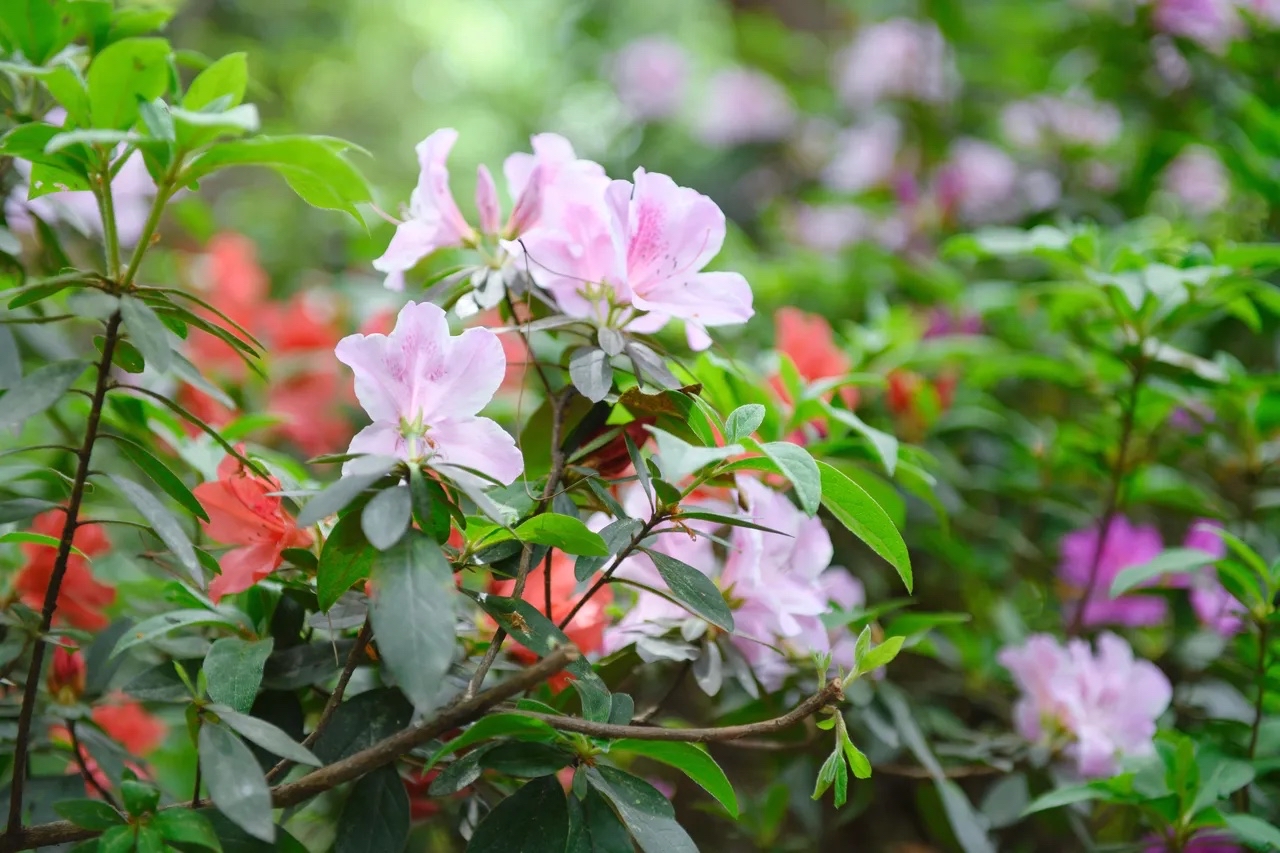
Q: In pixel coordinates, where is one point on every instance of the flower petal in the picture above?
(487, 201)
(244, 567)
(672, 232)
(477, 443)
(377, 439)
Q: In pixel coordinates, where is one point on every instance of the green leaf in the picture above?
(533, 630)
(886, 446)
(881, 654)
(146, 331)
(26, 536)
(565, 532)
(492, 726)
(375, 818)
(139, 797)
(678, 458)
(800, 468)
(386, 517)
(117, 840)
(344, 491)
(743, 421)
(235, 781)
(157, 626)
(616, 535)
(37, 391)
(1174, 561)
(233, 670)
(1064, 797)
(593, 826)
(1254, 831)
(693, 589)
(527, 759)
(535, 819)
(21, 509)
(361, 721)
(265, 735)
(346, 559)
(186, 827)
(108, 138)
(646, 813)
(10, 359)
(90, 814)
(591, 372)
(160, 474)
(226, 78)
(858, 511)
(692, 760)
(412, 611)
(460, 773)
(124, 72)
(311, 166)
(163, 523)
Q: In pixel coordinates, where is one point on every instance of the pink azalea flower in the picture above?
(423, 388)
(1125, 545)
(846, 592)
(640, 248)
(243, 511)
(1198, 180)
(1074, 121)
(1103, 703)
(895, 59)
(1210, 23)
(828, 228)
(1217, 609)
(978, 182)
(1206, 841)
(434, 221)
(742, 106)
(650, 76)
(865, 157)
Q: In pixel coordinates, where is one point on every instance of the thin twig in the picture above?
(1263, 635)
(32, 687)
(666, 695)
(335, 698)
(84, 767)
(604, 578)
(829, 694)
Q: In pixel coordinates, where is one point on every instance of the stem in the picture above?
(830, 693)
(107, 210)
(335, 698)
(1113, 495)
(84, 767)
(72, 514)
(653, 522)
(1264, 631)
(163, 191)
(352, 767)
(195, 787)
(546, 583)
(559, 402)
(666, 694)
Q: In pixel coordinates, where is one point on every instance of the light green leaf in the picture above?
(160, 474)
(1254, 831)
(386, 517)
(225, 78)
(800, 468)
(1174, 561)
(591, 372)
(857, 511)
(493, 726)
(693, 589)
(690, 759)
(346, 558)
(886, 445)
(158, 626)
(186, 827)
(146, 331)
(347, 489)
(743, 421)
(1064, 797)
(265, 735)
(565, 532)
(124, 72)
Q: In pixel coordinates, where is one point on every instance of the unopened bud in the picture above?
(66, 675)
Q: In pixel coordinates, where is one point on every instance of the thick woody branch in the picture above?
(352, 767)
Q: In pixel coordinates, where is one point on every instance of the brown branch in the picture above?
(352, 767)
(335, 698)
(32, 688)
(829, 694)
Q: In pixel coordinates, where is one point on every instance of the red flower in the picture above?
(66, 675)
(203, 407)
(808, 341)
(303, 324)
(243, 512)
(587, 628)
(304, 401)
(81, 599)
(129, 724)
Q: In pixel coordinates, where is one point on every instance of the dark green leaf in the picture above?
(375, 818)
(858, 511)
(646, 813)
(346, 558)
(527, 759)
(146, 331)
(616, 535)
(693, 589)
(186, 828)
(91, 814)
(492, 726)
(160, 474)
(593, 826)
(386, 517)
(139, 797)
(37, 391)
(800, 469)
(233, 670)
(361, 721)
(20, 509)
(535, 819)
(117, 840)
(10, 359)
(460, 773)
(413, 615)
(161, 683)
(265, 735)
(163, 523)
(235, 781)
(157, 626)
(343, 492)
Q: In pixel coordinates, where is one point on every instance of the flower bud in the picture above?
(66, 675)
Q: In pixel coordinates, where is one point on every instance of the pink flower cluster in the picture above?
(1099, 706)
(621, 254)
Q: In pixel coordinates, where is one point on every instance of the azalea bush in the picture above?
(825, 453)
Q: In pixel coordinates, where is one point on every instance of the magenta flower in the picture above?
(650, 76)
(1198, 180)
(742, 106)
(1210, 23)
(979, 182)
(1100, 706)
(1125, 545)
(1074, 121)
(423, 388)
(632, 257)
(895, 59)
(865, 157)
(1217, 609)
(1202, 842)
(434, 221)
